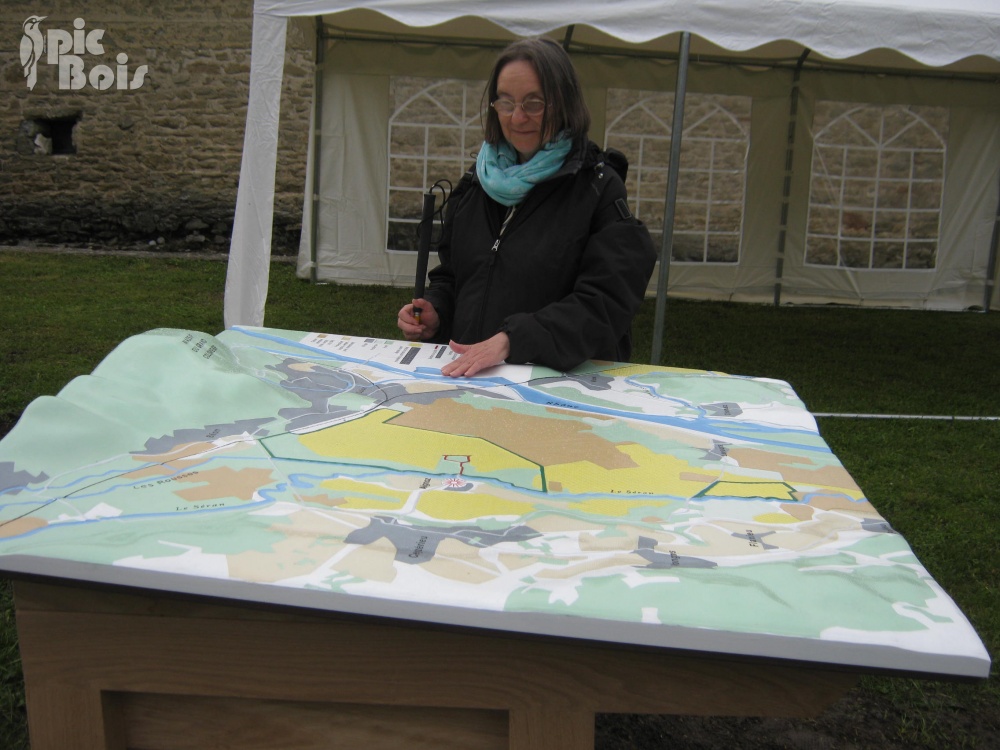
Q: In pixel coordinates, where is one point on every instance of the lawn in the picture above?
(935, 481)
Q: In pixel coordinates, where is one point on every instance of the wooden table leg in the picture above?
(74, 716)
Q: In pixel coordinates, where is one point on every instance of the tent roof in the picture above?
(962, 35)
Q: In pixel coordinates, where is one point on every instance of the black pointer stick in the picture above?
(423, 249)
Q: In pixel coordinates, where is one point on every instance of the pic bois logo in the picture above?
(70, 52)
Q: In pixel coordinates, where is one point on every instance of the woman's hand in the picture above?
(414, 329)
(476, 357)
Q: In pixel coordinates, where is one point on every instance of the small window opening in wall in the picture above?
(53, 135)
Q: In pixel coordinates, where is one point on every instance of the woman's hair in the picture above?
(564, 105)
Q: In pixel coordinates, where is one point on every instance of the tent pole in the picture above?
(786, 192)
(569, 36)
(667, 243)
(991, 264)
(317, 142)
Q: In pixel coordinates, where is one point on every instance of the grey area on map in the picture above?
(429, 397)
(662, 560)
(723, 409)
(877, 525)
(320, 384)
(719, 451)
(417, 544)
(593, 381)
(166, 443)
(13, 480)
(316, 387)
(757, 539)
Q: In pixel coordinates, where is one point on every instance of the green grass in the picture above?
(842, 359)
(838, 360)
(935, 482)
(938, 485)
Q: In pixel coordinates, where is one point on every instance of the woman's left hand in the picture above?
(476, 357)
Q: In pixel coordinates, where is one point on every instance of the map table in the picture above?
(274, 516)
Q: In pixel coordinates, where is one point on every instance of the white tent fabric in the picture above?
(958, 35)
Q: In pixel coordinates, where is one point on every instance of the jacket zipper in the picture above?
(489, 267)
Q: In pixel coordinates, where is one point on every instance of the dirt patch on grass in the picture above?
(873, 715)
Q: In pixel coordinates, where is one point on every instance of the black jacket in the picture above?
(565, 277)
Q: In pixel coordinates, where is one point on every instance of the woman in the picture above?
(541, 260)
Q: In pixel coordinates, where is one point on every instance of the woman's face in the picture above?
(519, 82)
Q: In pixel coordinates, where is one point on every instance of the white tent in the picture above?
(788, 58)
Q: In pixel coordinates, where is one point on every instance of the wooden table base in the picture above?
(108, 669)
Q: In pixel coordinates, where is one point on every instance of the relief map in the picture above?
(650, 505)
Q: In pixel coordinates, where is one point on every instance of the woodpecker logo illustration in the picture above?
(32, 47)
(70, 52)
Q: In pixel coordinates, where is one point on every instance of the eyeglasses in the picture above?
(530, 107)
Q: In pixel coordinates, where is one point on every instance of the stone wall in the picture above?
(154, 154)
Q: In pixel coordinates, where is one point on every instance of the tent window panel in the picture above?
(856, 223)
(926, 195)
(860, 162)
(822, 252)
(728, 190)
(421, 110)
(628, 145)
(697, 151)
(697, 186)
(832, 159)
(406, 204)
(689, 247)
(888, 255)
(890, 224)
(854, 254)
(858, 194)
(921, 255)
(654, 150)
(406, 173)
(730, 156)
(444, 169)
(723, 248)
(924, 225)
(896, 164)
(711, 186)
(877, 186)
(689, 217)
(893, 194)
(639, 121)
(652, 213)
(652, 181)
(403, 235)
(445, 141)
(848, 134)
(824, 221)
(928, 166)
(434, 132)
(866, 121)
(826, 191)
(410, 140)
(725, 218)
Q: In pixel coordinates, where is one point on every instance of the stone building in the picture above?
(128, 128)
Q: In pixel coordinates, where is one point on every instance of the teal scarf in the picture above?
(506, 181)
